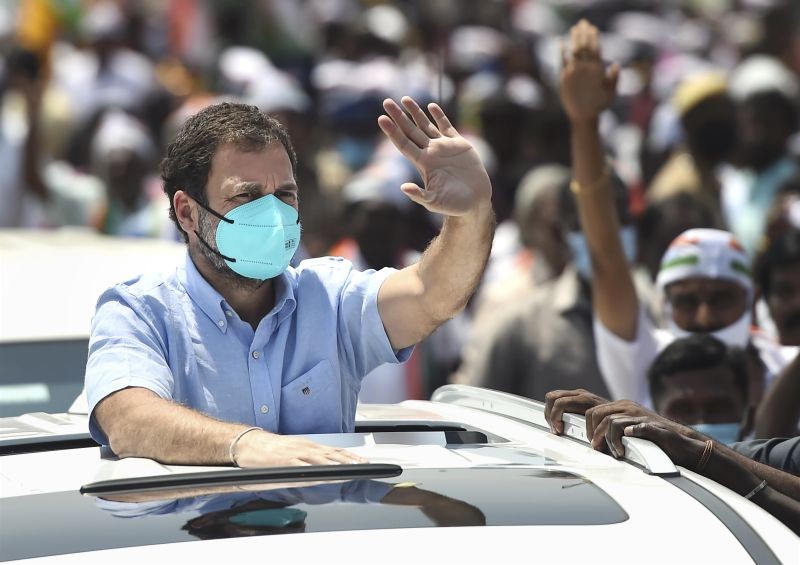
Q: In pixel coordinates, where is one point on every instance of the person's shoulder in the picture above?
(323, 264)
(152, 287)
(328, 270)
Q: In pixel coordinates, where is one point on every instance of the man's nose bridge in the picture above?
(704, 314)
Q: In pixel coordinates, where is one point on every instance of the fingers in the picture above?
(408, 148)
(612, 76)
(416, 193)
(404, 123)
(597, 419)
(331, 456)
(614, 432)
(420, 118)
(584, 41)
(442, 121)
(558, 402)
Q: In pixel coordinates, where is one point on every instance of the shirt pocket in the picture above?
(312, 403)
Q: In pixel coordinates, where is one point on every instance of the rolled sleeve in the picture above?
(366, 340)
(125, 350)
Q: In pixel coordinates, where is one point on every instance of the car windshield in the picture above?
(418, 498)
(41, 376)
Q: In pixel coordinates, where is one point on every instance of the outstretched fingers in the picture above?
(420, 118)
(409, 129)
(399, 139)
(442, 121)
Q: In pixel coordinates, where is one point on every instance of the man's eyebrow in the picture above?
(255, 186)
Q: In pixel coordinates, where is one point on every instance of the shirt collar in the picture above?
(214, 305)
(567, 293)
(203, 294)
(285, 301)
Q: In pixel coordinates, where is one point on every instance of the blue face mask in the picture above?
(270, 518)
(581, 257)
(257, 240)
(727, 433)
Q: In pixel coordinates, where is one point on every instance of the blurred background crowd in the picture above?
(704, 132)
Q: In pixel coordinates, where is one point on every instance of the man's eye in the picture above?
(288, 196)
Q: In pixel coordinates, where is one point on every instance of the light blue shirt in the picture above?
(299, 372)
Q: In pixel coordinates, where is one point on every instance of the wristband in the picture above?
(705, 456)
(577, 188)
(761, 486)
(231, 449)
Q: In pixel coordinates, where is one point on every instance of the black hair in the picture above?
(780, 254)
(696, 353)
(774, 103)
(188, 162)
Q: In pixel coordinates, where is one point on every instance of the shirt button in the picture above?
(256, 354)
(264, 408)
(228, 313)
(221, 323)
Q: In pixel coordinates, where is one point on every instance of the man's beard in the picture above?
(207, 230)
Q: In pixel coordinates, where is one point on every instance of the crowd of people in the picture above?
(643, 170)
(645, 175)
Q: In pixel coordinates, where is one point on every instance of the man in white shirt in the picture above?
(705, 274)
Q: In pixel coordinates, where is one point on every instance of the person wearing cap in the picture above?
(704, 275)
(768, 116)
(232, 357)
(708, 119)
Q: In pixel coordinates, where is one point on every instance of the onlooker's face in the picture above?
(784, 303)
(702, 396)
(706, 305)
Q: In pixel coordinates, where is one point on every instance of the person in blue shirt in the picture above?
(229, 358)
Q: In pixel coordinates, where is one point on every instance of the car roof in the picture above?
(497, 442)
(86, 263)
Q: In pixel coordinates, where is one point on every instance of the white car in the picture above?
(472, 476)
(49, 285)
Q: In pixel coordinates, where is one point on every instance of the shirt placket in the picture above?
(264, 407)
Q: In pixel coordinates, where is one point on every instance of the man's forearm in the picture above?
(138, 423)
(451, 268)
(613, 293)
(416, 300)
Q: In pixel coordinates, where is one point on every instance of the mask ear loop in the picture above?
(203, 241)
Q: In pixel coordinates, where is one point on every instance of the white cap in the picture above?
(761, 73)
(119, 130)
(705, 253)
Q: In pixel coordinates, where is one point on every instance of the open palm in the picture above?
(587, 87)
(455, 181)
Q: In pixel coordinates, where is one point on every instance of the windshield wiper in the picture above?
(232, 477)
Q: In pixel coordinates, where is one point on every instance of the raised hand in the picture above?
(587, 86)
(455, 181)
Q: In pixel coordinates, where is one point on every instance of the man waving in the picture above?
(216, 363)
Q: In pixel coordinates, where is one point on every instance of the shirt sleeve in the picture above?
(125, 350)
(624, 364)
(363, 342)
(780, 453)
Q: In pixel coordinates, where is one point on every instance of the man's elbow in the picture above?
(117, 416)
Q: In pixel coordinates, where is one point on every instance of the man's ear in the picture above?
(185, 212)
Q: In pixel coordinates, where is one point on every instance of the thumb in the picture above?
(415, 193)
(612, 76)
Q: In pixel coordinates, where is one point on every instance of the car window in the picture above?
(41, 376)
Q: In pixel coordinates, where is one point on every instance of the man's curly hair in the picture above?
(188, 162)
